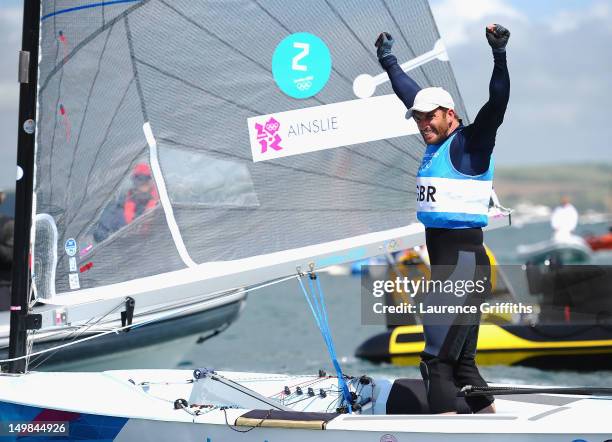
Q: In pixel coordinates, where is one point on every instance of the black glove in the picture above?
(498, 37)
(383, 44)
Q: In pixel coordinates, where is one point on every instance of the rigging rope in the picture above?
(134, 325)
(74, 334)
(316, 302)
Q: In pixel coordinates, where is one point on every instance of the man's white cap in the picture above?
(431, 98)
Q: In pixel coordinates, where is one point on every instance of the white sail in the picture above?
(214, 278)
(174, 90)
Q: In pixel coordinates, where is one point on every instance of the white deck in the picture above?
(148, 403)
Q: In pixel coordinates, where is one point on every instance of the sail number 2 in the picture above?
(295, 65)
(301, 65)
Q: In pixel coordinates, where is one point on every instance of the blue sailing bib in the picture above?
(447, 198)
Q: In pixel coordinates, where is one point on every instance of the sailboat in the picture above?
(187, 87)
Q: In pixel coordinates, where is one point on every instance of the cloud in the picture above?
(456, 19)
(10, 23)
(560, 83)
(9, 95)
(571, 20)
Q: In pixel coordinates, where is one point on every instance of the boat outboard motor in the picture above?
(534, 278)
(572, 293)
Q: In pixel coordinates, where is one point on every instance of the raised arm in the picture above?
(482, 133)
(403, 86)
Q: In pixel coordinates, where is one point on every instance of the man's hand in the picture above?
(497, 37)
(383, 44)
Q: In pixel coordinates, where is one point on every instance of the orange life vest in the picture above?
(129, 207)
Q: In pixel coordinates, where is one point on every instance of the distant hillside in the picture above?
(588, 185)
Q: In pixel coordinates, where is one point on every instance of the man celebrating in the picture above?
(454, 185)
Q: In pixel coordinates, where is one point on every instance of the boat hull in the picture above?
(583, 348)
(120, 406)
(128, 348)
(602, 242)
(129, 430)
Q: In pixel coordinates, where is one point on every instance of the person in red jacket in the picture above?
(139, 199)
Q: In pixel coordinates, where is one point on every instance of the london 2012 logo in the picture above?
(267, 135)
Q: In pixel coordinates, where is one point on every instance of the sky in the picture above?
(558, 57)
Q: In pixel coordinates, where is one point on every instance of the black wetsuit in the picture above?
(450, 350)
(450, 340)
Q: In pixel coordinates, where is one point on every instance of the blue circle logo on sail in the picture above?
(70, 247)
(301, 65)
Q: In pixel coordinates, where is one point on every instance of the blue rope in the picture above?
(319, 311)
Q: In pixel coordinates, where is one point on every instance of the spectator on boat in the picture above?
(139, 199)
(454, 185)
(564, 219)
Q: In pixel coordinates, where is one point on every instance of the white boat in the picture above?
(163, 325)
(152, 405)
(567, 250)
(178, 85)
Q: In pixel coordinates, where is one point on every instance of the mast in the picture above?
(28, 73)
